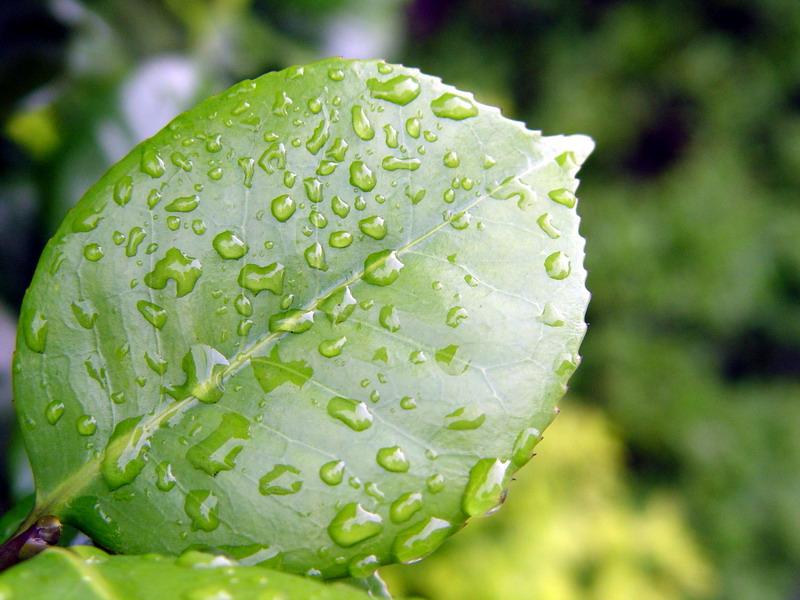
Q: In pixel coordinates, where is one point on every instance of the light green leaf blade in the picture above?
(325, 315)
(86, 573)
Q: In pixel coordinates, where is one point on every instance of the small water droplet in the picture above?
(557, 265)
(273, 158)
(248, 169)
(242, 305)
(154, 314)
(563, 196)
(202, 507)
(183, 204)
(551, 316)
(456, 315)
(165, 480)
(362, 567)
(151, 163)
(449, 195)
(313, 187)
(335, 74)
(85, 313)
(451, 106)
(93, 252)
(389, 318)
(413, 127)
(198, 226)
(53, 411)
(392, 459)
(317, 219)
(390, 163)
(361, 123)
(417, 357)
(173, 222)
(340, 207)
(86, 425)
(405, 507)
(391, 136)
(256, 279)
(283, 207)
(318, 137)
(488, 480)
(471, 280)
(332, 472)
(545, 222)
(315, 257)
(214, 143)
(408, 403)
(419, 540)
(339, 305)
(315, 105)
(291, 321)
(135, 237)
(382, 268)
(180, 161)
(123, 190)
(435, 483)
(374, 227)
(354, 524)
(282, 480)
(280, 107)
(340, 239)
(360, 203)
(352, 413)
(332, 348)
(229, 245)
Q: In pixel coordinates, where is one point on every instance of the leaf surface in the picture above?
(87, 573)
(321, 318)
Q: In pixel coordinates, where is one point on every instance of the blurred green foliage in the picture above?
(683, 481)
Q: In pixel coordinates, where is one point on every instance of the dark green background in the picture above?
(690, 206)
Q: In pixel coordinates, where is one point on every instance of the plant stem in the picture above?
(45, 532)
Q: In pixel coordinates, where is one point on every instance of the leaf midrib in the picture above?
(91, 469)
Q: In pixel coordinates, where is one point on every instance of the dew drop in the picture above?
(419, 540)
(340, 207)
(34, 330)
(390, 163)
(198, 226)
(391, 136)
(451, 106)
(405, 507)
(291, 321)
(382, 268)
(551, 316)
(332, 472)
(352, 413)
(135, 237)
(53, 411)
(229, 245)
(183, 204)
(361, 176)
(354, 524)
(173, 222)
(465, 418)
(400, 89)
(408, 403)
(393, 459)
(362, 567)
(335, 74)
(280, 107)
(317, 219)
(202, 507)
(315, 257)
(557, 265)
(85, 313)
(332, 348)
(180, 161)
(273, 158)
(86, 425)
(361, 124)
(313, 187)
(242, 305)
(93, 252)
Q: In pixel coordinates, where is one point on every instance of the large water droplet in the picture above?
(219, 450)
(338, 150)
(557, 265)
(332, 472)
(400, 89)
(291, 321)
(151, 163)
(283, 207)
(34, 329)
(485, 491)
(202, 507)
(451, 106)
(93, 252)
(374, 227)
(354, 524)
(229, 245)
(382, 268)
(86, 425)
(248, 169)
(451, 159)
(392, 459)
(243, 305)
(419, 540)
(182, 269)
(53, 411)
(390, 163)
(340, 239)
(315, 257)
(313, 187)
(332, 348)
(282, 480)
(123, 190)
(180, 161)
(361, 125)
(352, 413)
(361, 176)
(183, 204)
(165, 480)
(124, 456)
(257, 279)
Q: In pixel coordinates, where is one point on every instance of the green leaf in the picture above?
(322, 317)
(87, 573)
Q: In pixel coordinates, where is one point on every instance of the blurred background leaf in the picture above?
(674, 470)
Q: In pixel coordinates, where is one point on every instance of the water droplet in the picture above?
(455, 315)
(417, 357)
(173, 222)
(315, 105)
(413, 127)
(360, 203)
(435, 483)
(361, 125)
(257, 279)
(34, 330)
(179, 160)
(352, 413)
(362, 567)
(381, 354)
(563, 196)
(405, 507)
(135, 237)
(415, 193)
(272, 372)
(317, 219)
(53, 411)
(361, 176)
(244, 327)
(243, 306)
(280, 108)
(384, 68)
(92, 252)
(390, 163)
(248, 169)
(125, 451)
(338, 150)
(332, 348)
(372, 490)
(86, 425)
(471, 280)
(156, 364)
(313, 187)
(151, 163)
(465, 419)
(451, 159)
(153, 198)
(282, 480)
(291, 321)
(551, 316)
(419, 540)
(524, 445)
(391, 136)
(382, 268)
(214, 143)
(85, 313)
(183, 204)
(229, 245)
(389, 318)
(315, 257)
(374, 227)
(326, 167)
(273, 158)
(354, 524)
(198, 226)
(118, 237)
(557, 265)
(182, 269)
(118, 397)
(154, 314)
(545, 222)
(340, 207)
(339, 305)
(283, 207)
(165, 480)
(318, 137)
(392, 459)
(447, 361)
(123, 190)
(449, 195)
(459, 221)
(488, 479)
(451, 106)
(340, 239)
(201, 506)
(408, 403)
(332, 472)
(219, 450)
(335, 74)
